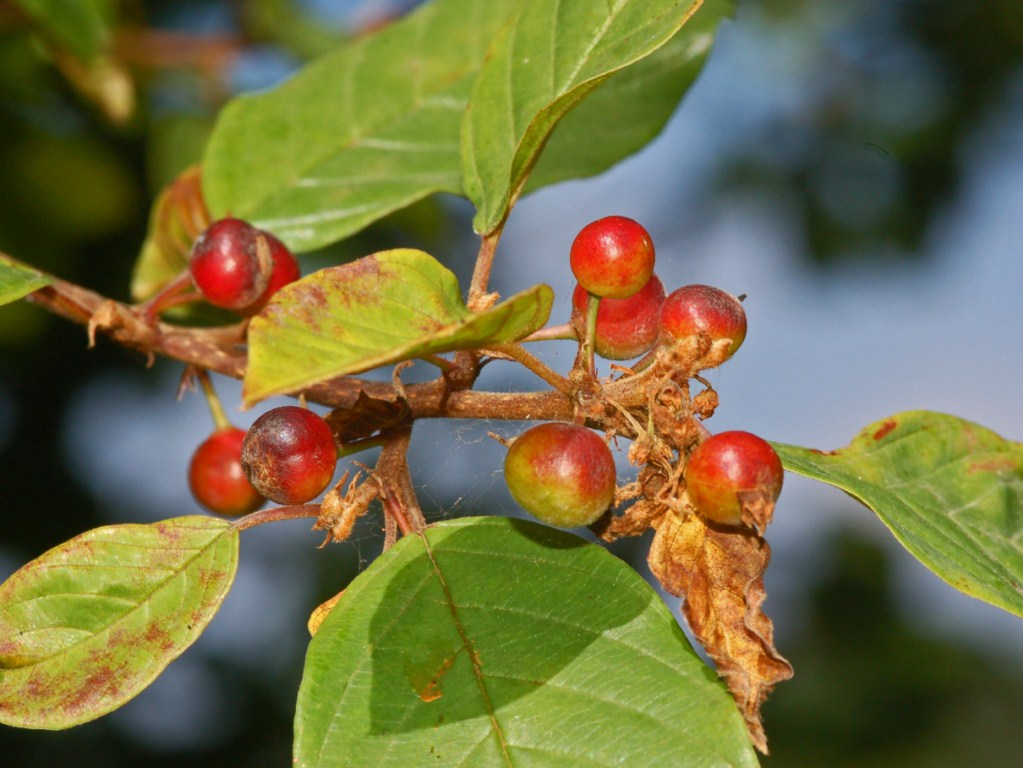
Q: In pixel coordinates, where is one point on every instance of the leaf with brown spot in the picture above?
(382, 309)
(498, 642)
(89, 624)
(719, 573)
(321, 611)
(950, 491)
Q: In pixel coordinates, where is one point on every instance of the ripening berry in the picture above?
(626, 328)
(562, 474)
(702, 310)
(289, 455)
(227, 267)
(730, 470)
(612, 257)
(216, 477)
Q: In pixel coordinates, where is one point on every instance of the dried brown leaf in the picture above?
(365, 417)
(634, 522)
(719, 573)
(340, 508)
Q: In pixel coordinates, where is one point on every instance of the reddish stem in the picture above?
(275, 514)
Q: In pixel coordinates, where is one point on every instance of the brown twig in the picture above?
(220, 350)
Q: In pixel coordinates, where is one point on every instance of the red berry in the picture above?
(227, 267)
(695, 310)
(562, 474)
(289, 454)
(730, 471)
(612, 257)
(285, 270)
(626, 328)
(216, 477)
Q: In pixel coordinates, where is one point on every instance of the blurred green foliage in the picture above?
(874, 689)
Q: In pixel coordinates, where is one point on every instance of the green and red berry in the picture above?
(612, 257)
(562, 474)
(695, 311)
(289, 454)
(626, 328)
(216, 477)
(730, 472)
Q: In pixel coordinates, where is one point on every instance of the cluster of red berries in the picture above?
(288, 454)
(564, 474)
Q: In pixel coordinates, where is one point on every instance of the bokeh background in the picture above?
(854, 167)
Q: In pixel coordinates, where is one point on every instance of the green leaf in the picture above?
(17, 280)
(631, 107)
(540, 66)
(498, 642)
(384, 308)
(358, 134)
(951, 492)
(89, 624)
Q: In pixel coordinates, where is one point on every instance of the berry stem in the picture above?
(275, 514)
(393, 474)
(553, 332)
(172, 294)
(358, 446)
(537, 366)
(592, 307)
(645, 362)
(220, 419)
(436, 360)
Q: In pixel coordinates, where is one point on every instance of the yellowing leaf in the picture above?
(18, 280)
(951, 492)
(391, 306)
(89, 624)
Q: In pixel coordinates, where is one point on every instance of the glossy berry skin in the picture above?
(289, 455)
(728, 467)
(562, 474)
(285, 270)
(227, 267)
(626, 328)
(693, 310)
(216, 477)
(612, 257)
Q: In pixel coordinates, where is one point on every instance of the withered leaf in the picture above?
(365, 417)
(341, 507)
(635, 522)
(719, 573)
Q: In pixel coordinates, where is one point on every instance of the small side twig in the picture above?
(276, 514)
